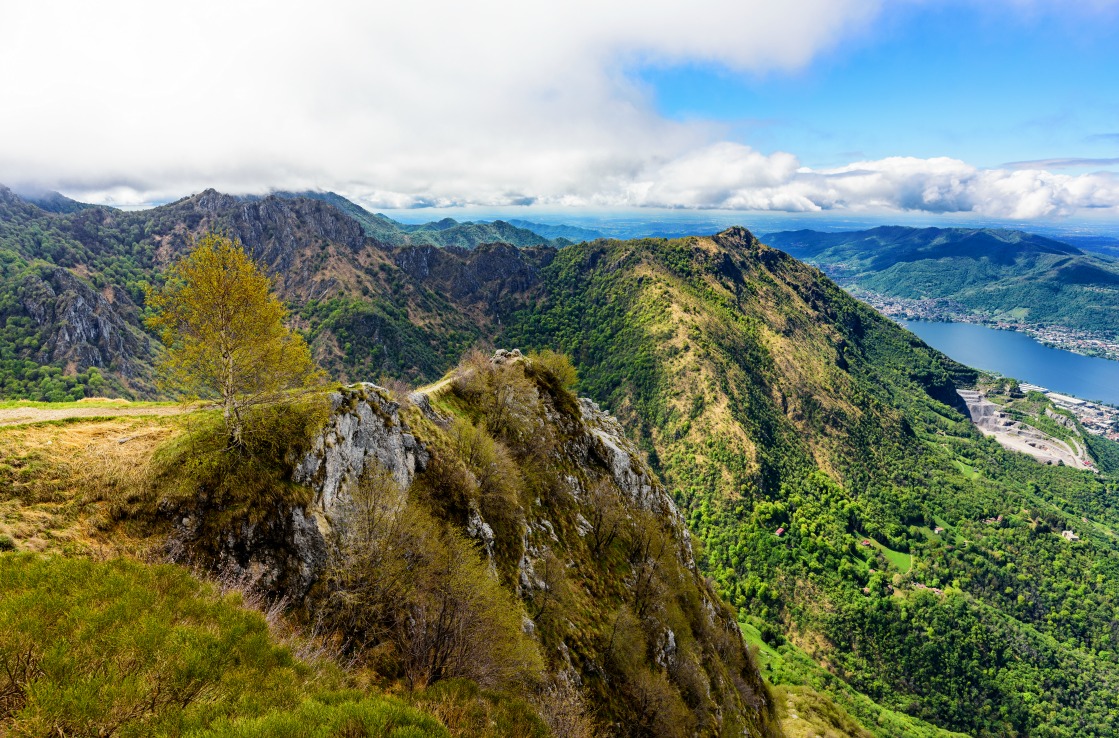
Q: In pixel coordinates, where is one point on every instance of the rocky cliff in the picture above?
(81, 328)
(565, 515)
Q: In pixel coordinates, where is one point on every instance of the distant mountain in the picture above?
(52, 202)
(575, 234)
(1106, 245)
(445, 232)
(1000, 274)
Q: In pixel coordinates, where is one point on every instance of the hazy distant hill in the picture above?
(54, 202)
(997, 273)
(575, 234)
(445, 232)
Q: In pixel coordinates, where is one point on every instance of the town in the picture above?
(1097, 418)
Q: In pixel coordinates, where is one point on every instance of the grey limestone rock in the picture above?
(284, 553)
(364, 427)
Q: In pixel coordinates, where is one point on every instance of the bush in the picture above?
(237, 483)
(417, 599)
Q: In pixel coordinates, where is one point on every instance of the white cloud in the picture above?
(733, 176)
(438, 103)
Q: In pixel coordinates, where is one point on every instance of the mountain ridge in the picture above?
(994, 274)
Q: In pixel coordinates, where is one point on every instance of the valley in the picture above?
(902, 309)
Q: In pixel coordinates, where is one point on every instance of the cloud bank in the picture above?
(440, 103)
(735, 177)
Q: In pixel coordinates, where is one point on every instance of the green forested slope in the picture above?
(1007, 275)
(770, 399)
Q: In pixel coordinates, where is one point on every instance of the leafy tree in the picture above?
(224, 332)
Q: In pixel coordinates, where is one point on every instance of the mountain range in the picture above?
(990, 273)
(896, 572)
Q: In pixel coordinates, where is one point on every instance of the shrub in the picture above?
(418, 600)
(237, 483)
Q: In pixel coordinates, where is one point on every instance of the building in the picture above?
(1068, 535)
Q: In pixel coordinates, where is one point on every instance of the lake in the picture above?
(1017, 355)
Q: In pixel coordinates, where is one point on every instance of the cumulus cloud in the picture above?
(734, 176)
(436, 103)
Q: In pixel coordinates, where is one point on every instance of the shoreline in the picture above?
(941, 310)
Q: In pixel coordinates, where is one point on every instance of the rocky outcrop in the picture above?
(284, 551)
(79, 327)
(274, 229)
(364, 428)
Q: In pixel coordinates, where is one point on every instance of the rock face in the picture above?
(79, 326)
(273, 229)
(284, 551)
(364, 428)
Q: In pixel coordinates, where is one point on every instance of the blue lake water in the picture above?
(1014, 354)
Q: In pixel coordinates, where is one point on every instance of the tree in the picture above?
(224, 332)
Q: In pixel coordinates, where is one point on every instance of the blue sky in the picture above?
(1003, 110)
(962, 80)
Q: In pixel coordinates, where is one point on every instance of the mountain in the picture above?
(491, 532)
(816, 449)
(71, 284)
(53, 202)
(897, 573)
(446, 232)
(996, 274)
(1106, 245)
(574, 234)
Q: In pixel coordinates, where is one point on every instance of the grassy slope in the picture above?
(122, 648)
(73, 488)
(770, 399)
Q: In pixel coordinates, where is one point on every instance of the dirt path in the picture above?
(24, 415)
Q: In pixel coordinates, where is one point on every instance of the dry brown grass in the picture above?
(60, 482)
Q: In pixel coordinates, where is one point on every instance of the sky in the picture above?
(983, 109)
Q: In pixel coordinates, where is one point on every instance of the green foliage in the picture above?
(467, 710)
(199, 470)
(414, 595)
(772, 400)
(603, 578)
(1104, 451)
(119, 648)
(375, 336)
